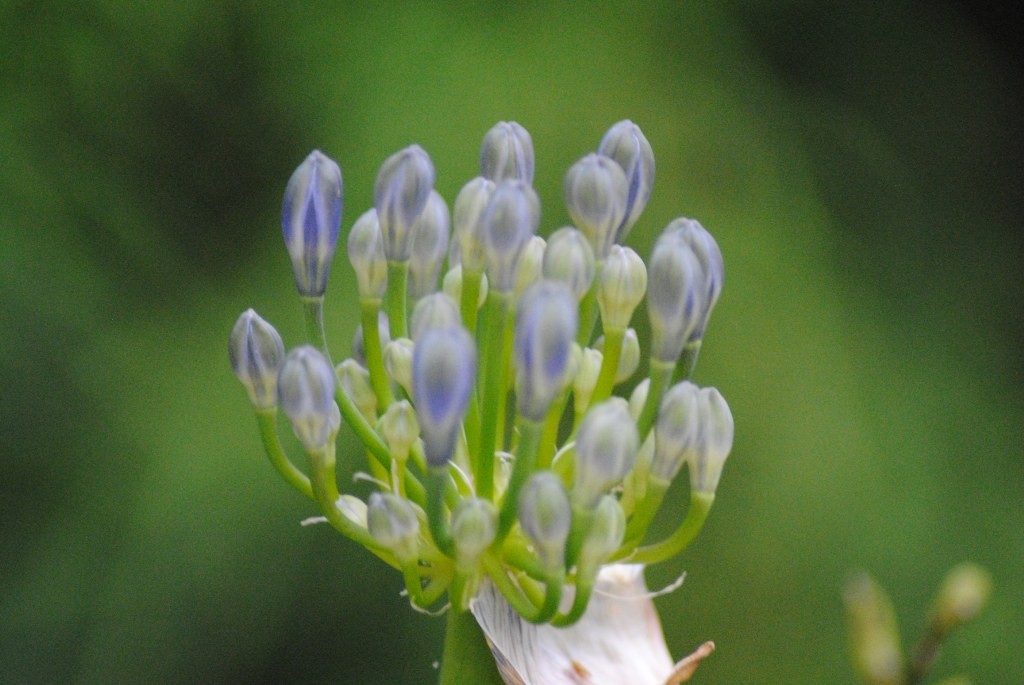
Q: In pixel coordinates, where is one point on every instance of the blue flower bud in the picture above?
(393, 523)
(677, 431)
(595, 194)
(433, 311)
(400, 193)
(546, 323)
(606, 448)
(256, 353)
(622, 287)
(429, 247)
(570, 259)
(511, 218)
(310, 219)
(474, 527)
(625, 143)
(507, 153)
(546, 516)
(443, 373)
(714, 444)
(467, 218)
(709, 256)
(674, 296)
(305, 390)
(366, 254)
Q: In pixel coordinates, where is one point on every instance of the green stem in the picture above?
(700, 505)
(687, 362)
(609, 365)
(646, 508)
(374, 355)
(491, 391)
(313, 316)
(660, 375)
(395, 299)
(468, 307)
(437, 484)
(467, 659)
(525, 463)
(588, 308)
(267, 420)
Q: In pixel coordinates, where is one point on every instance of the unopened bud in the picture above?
(510, 220)
(528, 269)
(626, 144)
(605, 535)
(474, 527)
(355, 383)
(595, 194)
(305, 391)
(393, 523)
(546, 323)
(398, 362)
(433, 311)
(964, 592)
(585, 380)
(606, 448)
(256, 353)
(638, 398)
(443, 373)
(429, 245)
(310, 219)
(507, 153)
(874, 632)
(545, 515)
(467, 218)
(714, 443)
(399, 428)
(452, 286)
(677, 431)
(629, 357)
(674, 301)
(366, 254)
(570, 259)
(709, 256)
(622, 288)
(400, 193)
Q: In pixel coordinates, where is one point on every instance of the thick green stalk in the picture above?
(395, 299)
(374, 354)
(467, 659)
(661, 376)
(700, 505)
(491, 391)
(267, 419)
(609, 365)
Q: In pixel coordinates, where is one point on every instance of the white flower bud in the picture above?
(570, 259)
(606, 447)
(256, 353)
(429, 245)
(622, 288)
(392, 522)
(366, 254)
(305, 391)
(546, 516)
(595, 194)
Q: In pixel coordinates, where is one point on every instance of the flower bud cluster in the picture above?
(484, 376)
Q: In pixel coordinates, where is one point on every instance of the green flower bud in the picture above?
(528, 270)
(605, 535)
(355, 383)
(570, 259)
(467, 218)
(714, 444)
(677, 431)
(399, 428)
(393, 523)
(585, 380)
(674, 302)
(310, 220)
(545, 515)
(509, 222)
(638, 398)
(546, 323)
(964, 592)
(366, 254)
(622, 288)
(474, 527)
(256, 353)
(305, 391)
(400, 193)
(595, 194)
(606, 447)
(429, 246)
(398, 362)
(629, 358)
(874, 633)
(625, 143)
(507, 153)
(433, 311)
(452, 286)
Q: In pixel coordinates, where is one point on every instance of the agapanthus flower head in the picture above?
(310, 220)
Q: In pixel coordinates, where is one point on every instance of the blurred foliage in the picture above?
(858, 164)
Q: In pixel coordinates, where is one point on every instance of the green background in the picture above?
(859, 163)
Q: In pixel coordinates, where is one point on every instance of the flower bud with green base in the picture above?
(433, 311)
(510, 220)
(626, 144)
(393, 524)
(545, 329)
(256, 353)
(403, 186)
(709, 256)
(474, 527)
(528, 269)
(366, 254)
(451, 284)
(570, 259)
(677, 430)
(622, 287)
(443, 373)
(674, 296)
(310, 219)
(595, 195)
(399, 428)
(606, 447)
(714, 443)
(467, 219)
(546, 516)
(963, 593)
(507, 153)
(585, 379)
(355, 383)
(430, 234)
(305, 391)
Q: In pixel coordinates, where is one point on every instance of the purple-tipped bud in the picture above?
(305, 390)
(511, 218)
(400, 193)
(392, 522)
(625, 143)
(310, 219)
(366, 254)
(546, 516)
(468, 218)
(546, 323)
(256, 353)
(433, 311)
(443, 373)
(507, 153)
(595, 194)
(709, 256)
(606, 448)
(429, 247)
(622, 287)
(677, 431)
(570, 259)
(674, 296)
(714, 444)
(474, 527)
